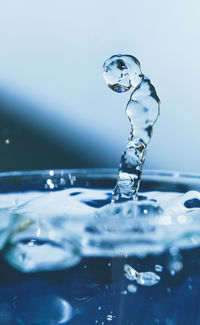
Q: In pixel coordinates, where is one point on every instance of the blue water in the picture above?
(95, 292)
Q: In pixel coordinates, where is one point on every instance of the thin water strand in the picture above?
(123, 72)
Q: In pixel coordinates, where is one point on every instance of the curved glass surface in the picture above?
(70, 257)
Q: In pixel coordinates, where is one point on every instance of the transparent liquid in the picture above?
(114, 270)
(123, 72)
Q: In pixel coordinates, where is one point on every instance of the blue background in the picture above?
(55, 108)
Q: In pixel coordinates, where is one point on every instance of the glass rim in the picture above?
(167, 175)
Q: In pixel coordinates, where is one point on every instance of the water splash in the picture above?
(123, 72)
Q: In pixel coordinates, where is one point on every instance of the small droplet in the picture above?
(109, 264)
(7, 141)
(132, 288)
(169, 290)
(190, 287)
(99, 308)
(124, 292)
(158, 268)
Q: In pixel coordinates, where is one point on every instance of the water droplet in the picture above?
(158, 268)
(123, 72)
(169, 290)
(7, 141)
(124, 292)
(109, 264)
(99, 308)
(190, 287)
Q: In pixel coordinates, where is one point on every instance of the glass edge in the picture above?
(106, 171)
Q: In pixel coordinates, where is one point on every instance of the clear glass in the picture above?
(81, 287)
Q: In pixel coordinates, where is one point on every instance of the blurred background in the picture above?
(55, 108)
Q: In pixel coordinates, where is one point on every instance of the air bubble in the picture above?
(147, 279)
(110, 317)
(132, 288)
(142, 278)
(158, 268)
(130, 273)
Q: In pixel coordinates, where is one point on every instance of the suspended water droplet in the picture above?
(123, 72)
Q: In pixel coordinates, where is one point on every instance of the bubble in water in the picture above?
(130, 273)
(175, 261)
(132, 288)
(142, 278)
(121, 73)
(147, 279)
(110, 317)
(158, 268)
(31, 249)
